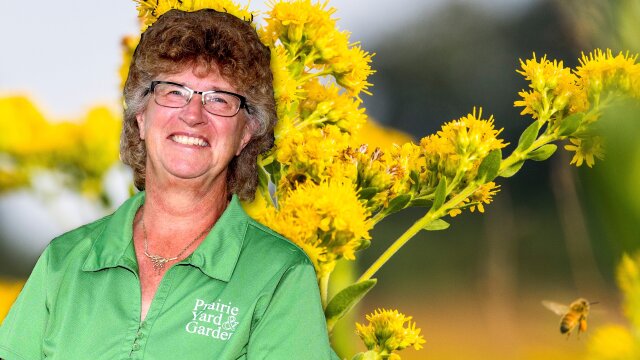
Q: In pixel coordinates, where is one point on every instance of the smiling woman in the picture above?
(179, 270)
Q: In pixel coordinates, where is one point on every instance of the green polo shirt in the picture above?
(244, 293)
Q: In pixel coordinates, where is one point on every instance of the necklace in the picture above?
(159, 261)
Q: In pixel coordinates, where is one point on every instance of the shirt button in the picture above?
(139, 335)
(135, 347)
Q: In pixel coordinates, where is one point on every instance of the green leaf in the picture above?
(490, 166)
(528, 136)
(346, 299)
(512, 170)
(421, 202)
(367, 193)
(398, 203)
(570, 124)
(263, 178)
(437, 224)
(440, 194)
(543, 152)
(274, 169)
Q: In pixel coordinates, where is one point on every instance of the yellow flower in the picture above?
(386, 332)
(313, 153)
(461, 145)
(327, 220)
(532, 103)
(483, 195)
(351, 69)
(602, 71)
(555, 89)
(285, 85)
(298, 24)
(586, 149)
(151, 10)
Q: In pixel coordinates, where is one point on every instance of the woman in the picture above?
(179, 270)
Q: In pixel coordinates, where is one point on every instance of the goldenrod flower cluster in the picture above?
(456, 152)
(570, 101)
(84, 149)
(309, 37)
(386, 333)
(328, 216)
(150, 10)
(617, 342)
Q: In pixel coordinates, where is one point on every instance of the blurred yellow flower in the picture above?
(9, 291)
(616, 342)
(128, 46)
(613, 342)
(84, 148)
(386, 332)
(602, 71)
(377, 135)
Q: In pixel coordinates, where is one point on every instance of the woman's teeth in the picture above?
(188, 140)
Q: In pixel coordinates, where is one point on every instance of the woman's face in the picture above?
(190, 143)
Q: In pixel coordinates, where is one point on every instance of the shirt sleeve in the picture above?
(21, 333)
(293, 325)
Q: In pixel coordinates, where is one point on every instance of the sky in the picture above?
(65, 54)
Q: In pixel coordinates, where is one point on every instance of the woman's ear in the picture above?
(141, 129)
(249, 129)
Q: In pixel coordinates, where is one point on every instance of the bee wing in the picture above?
(557, 308)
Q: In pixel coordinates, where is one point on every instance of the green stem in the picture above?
(415, 228)
(517, 156)
(324, 289)
(391, 250)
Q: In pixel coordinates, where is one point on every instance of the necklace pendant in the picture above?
(158, 262)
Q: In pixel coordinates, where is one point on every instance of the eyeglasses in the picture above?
(216, 102)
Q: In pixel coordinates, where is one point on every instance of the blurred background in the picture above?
(554, 232)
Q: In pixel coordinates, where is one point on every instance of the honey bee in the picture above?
(572, 316)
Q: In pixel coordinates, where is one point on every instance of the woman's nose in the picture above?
(193, 113)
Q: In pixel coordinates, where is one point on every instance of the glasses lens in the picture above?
(171, 95)
(222, 104)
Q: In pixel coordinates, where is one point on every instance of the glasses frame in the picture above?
(243, 100)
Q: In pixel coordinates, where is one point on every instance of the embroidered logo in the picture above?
(215, 319)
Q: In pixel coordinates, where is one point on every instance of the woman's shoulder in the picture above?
(80, 237)
(271, 245)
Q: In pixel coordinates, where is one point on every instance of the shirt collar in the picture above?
(216, 256)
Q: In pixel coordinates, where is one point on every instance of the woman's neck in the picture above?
(174, 215)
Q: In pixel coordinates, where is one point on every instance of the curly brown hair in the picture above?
(206, 40)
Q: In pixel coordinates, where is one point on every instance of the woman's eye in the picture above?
(220, 100)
